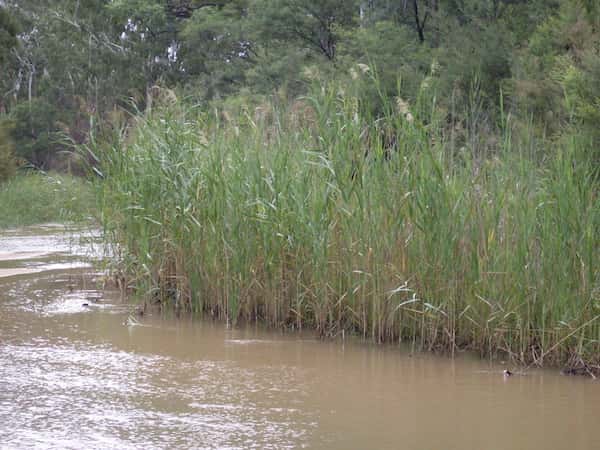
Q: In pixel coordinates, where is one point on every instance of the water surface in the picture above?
(75, 376)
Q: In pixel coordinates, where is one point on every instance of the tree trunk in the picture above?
(420, 23)
(30, 84)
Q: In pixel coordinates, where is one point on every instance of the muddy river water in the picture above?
(77, 372)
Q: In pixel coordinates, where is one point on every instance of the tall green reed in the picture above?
(340, 221)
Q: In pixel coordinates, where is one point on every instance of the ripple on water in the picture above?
(113, 398)
(42, 240)
(77, 302)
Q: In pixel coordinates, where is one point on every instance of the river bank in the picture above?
(35, 198)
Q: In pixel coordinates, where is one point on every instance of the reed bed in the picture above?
(320, 216)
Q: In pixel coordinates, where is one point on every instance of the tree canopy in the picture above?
(68, 65)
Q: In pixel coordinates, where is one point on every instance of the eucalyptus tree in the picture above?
(8, 43)
(8, 34)
(314, 25)
(217, 45)
(65, 71)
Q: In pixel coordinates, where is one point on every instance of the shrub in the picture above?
(7, 151)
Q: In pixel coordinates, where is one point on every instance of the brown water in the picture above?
(74, 376)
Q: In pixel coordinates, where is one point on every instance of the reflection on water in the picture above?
(75, 376)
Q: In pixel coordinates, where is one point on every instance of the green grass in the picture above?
(34, 198)
(309, 221)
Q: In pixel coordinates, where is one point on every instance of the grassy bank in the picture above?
(320, 216)
(35, 197)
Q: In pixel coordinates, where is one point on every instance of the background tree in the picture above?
(8, 42)
(68, 65)
(217, 47)
(314, 25)
(8, 34)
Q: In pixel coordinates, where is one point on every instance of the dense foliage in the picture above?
(73, 66)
